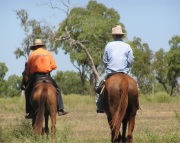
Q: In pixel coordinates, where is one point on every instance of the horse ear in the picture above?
(25, 68)
(25, 64)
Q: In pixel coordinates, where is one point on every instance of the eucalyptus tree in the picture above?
(173, 60)
(3, 71)
(167, 66)
(11, 86)
(32, 29)
(14, 86)
(160, 68)
(142, 68)
(84, 34)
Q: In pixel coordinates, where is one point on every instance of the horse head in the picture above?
(25, 78)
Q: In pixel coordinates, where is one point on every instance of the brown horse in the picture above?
(44, 102)
(120, 103)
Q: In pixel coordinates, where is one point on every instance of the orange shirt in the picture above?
(40, 60)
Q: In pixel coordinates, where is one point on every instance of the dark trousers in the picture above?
(29, 89)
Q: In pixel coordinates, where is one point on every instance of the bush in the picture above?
(159, 97)
(162, 98)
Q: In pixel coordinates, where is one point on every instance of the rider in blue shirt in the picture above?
(118, 57)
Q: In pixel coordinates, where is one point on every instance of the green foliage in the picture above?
(166, 66)
(3, 70)
(141, 67)
(163, 98)
(159, 97)
(32, 29)
(160, 68)
(84, 34)
(90, 26)
(70, 82)
(173, 60)
(13, 85)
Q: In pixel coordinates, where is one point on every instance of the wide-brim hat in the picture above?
(117, 30)
(37, 42)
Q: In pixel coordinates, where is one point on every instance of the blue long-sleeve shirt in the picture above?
(118, 57)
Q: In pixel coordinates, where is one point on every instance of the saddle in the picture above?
(101, 87)
(43, 80)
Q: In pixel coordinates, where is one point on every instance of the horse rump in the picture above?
(118, 105)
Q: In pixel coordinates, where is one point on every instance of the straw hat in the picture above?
(117, 30)
(37, 42)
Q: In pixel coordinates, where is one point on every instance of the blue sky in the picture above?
(154, 21)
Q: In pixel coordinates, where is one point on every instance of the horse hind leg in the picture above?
(130, 129)
(53, 125)
(113, 140)
(124, 127)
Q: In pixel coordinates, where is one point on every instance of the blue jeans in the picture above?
(98, 98)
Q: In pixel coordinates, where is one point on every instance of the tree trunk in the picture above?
(90, 58)
(91, 88)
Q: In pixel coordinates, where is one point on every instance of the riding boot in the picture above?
(98, 104)
(60, 105)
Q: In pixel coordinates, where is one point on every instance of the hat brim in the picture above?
(118, 33)
(32, 47)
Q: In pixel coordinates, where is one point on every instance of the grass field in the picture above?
(158, 121)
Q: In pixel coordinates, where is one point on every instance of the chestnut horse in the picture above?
(120, 103)
(44, 103)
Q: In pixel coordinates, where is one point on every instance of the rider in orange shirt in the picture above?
(40, 63)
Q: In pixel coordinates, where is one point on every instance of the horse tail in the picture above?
(122, 106)
(41, 109)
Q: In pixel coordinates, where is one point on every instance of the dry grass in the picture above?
(155, 122)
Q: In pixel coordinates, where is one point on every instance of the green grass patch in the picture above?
(157, 121)
(160, 97)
